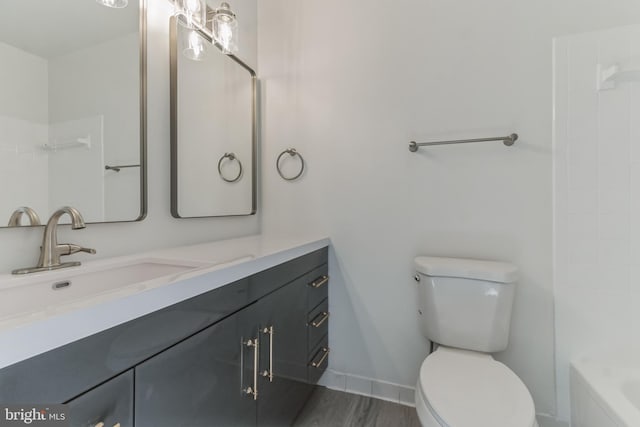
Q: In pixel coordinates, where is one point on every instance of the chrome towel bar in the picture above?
(507, 140)
(117, 168)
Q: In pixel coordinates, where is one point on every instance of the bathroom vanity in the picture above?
(241, 344)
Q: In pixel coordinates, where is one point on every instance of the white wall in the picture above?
(23, 77)
(597, 199)
(101, 80)
(23, 125)
(349, 84)
(76, 170)
(20, 246)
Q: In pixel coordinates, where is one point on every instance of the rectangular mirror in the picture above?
(213, 129)
(72, 108)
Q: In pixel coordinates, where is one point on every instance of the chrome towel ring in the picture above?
(231, 157)
(293, 153)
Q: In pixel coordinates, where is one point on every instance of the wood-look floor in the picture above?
(329, 408)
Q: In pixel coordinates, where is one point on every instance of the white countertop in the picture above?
(220, 263)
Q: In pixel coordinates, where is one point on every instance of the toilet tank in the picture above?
(466, 303)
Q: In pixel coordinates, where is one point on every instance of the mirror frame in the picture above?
(143, 112)
(173, 42)
(143, 115)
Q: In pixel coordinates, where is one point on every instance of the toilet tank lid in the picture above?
(493, 271)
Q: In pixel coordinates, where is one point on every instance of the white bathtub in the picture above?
(605, 394)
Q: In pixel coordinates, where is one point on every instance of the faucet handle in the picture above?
(72, 249)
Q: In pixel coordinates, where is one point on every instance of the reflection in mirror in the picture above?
(71, 107)
(16, 217)
(213, 130)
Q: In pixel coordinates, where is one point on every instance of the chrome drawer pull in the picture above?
(322, 359)
(269, 373)
(317, 323)
(319, 282)
(253, 390)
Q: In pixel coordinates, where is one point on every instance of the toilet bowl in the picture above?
(464, 306)
(460, 388)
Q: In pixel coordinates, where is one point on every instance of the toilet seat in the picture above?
(461, 388)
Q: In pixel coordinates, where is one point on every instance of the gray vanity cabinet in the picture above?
(189, 365)
(208, 379)
(282, 385)
(198, 382)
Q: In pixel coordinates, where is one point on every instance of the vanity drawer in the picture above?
(269, 280)
(318, 286)
(318, 361)
(110, 404)
(317, 324)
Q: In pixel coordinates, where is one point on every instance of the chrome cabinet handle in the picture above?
(319, 282)
(322, 359)
(323, 318)
(101, 424)
(256, 348)
(269, 373)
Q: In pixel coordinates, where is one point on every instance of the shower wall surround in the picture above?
(105, 117)
(24, 119)
(596, 196)
(53, 174)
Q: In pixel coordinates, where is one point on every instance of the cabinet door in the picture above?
(110, 404)
(283, 348)
(198, 382)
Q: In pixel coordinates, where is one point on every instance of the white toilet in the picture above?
(465, 307)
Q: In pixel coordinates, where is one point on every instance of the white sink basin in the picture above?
(58, 291)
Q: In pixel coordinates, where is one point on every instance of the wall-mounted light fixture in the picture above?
(193, 12)
(193, 45)
(225, 28)
(219, 25)
(116, 4)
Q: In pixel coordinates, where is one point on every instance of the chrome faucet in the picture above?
(16, 217)
(51, 250)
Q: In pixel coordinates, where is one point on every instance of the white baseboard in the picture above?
(369, 387)
(396, 393)
(545, 420)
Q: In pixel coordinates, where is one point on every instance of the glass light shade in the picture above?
(192, 11)
(225, 29)
(193, 45)
(116, 4)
